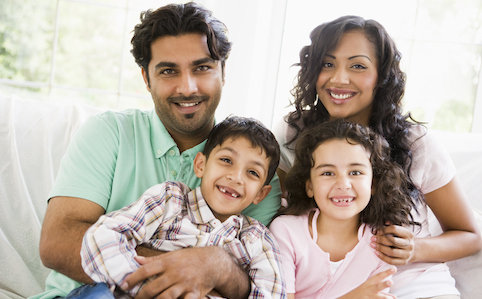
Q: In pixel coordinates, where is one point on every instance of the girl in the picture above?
(341, 188)
(351, 70)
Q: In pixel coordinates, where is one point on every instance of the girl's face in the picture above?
(348, 78)
(340, 180)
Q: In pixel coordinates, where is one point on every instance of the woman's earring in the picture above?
(316, 100)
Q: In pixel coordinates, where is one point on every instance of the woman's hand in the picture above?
(373, 287)
(395, 245)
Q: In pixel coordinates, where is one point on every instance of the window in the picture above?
(79, 50)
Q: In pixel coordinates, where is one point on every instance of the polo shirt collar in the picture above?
(161, 140)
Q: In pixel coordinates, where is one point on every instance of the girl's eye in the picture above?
(254, 173)
(327, 173)
(355, 172)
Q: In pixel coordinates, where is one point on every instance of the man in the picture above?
(181, 50)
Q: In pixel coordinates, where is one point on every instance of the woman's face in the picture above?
(348, 78)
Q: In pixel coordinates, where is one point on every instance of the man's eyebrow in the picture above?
(165, 64)
(203, 60)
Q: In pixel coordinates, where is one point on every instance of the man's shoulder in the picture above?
(125, 116)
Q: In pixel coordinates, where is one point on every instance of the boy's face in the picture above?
(233, 176)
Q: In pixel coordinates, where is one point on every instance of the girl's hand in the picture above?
(395, 245)
(373, 287)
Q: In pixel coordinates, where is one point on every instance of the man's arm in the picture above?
(66, 220)
(191, 271)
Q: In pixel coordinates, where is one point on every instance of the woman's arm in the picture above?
(461, 236)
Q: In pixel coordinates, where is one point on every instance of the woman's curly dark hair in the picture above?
(386, 116)
(392, 199)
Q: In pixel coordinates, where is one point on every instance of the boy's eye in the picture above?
(225, 160)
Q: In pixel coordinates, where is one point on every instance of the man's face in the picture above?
(185, 84)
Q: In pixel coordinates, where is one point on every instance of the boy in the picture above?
(238, 162)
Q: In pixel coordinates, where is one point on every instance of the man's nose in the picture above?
(187, 85)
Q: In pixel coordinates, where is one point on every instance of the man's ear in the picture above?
(309, 189)
(199, 164)
(262, 194)
(146, 79)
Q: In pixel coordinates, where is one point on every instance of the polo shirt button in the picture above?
(159, 152)
(172, 153)
(173, 173)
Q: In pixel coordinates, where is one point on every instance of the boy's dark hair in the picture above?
(251, 129)
(391, 199)
(177, 19)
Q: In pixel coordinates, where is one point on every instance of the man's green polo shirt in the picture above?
(116, 156)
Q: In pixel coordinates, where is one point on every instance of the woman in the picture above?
(351, 70)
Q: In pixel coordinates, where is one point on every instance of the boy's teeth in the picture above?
(340, 96)
(232, 194)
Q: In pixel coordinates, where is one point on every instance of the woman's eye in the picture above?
(355, 172)
(359, 67)
(327, 173)
(326, 65)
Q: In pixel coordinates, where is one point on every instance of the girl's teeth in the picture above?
(343, 200)
(340, 96)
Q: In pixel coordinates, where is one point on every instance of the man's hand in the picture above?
(373, 287)
(189, 273)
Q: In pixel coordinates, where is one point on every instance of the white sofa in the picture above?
(33, 136)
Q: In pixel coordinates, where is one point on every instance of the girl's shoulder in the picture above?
(288, 221)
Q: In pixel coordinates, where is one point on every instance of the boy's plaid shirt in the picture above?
(170, 216)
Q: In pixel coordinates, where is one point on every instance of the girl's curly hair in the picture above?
(392, 199)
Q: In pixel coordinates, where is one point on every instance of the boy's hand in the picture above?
(373, 287)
